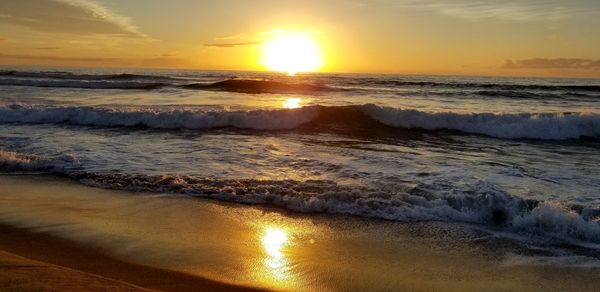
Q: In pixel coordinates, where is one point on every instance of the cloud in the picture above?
(81, 17)
(45, 48)
(231, 45)
(509, 10)
(558, 63)
(56, 58)
(253, 38)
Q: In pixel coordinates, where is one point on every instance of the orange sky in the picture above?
(476, 37)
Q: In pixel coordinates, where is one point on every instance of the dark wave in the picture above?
(534, 94)
(87, 84)
(556, 126)
(131, 81)
(274, 84)
(75, 76)
(473, 85)
(259, 86)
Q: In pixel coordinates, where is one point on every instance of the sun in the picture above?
(292, 52)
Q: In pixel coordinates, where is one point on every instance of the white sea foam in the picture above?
(531, 126)
(528, 126)
(564, 261)
(555, 219)
(480, 203)
(14, 161)
(159, 119)
(483, 204)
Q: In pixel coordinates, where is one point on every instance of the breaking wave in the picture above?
(559, 126)
(556, 126)
(481, 204)
(14, 161)
(165, 119)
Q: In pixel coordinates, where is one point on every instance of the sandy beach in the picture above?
(107, 240)
(33, 261)
(341, 145)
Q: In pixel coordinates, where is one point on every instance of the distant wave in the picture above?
(84, 84)
(75, 76)
(125, 82)
(473, 85)
(259, 86)
(513, 126)
(483, 204)
(531, 94)
(283, 85)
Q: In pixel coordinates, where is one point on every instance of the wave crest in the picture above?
(484, 204)
(527, 126)
(513, 126)
(14, 161)
(480, 203)
(166, 119)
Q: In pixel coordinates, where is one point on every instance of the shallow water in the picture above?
(269, 248)
(518, 154)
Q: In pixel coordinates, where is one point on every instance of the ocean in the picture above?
(519, 156)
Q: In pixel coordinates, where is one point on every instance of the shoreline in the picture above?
(177, 243)
(35, 260)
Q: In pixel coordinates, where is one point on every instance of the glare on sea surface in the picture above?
(292, 103)
(292, 52)
(273, 241)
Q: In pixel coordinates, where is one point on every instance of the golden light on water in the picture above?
(292, 52)
(273, 241)
(292, 103)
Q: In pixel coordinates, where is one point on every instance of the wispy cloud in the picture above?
(251, 38)
(509, 10)
(169, 54)
(558, 63)
(82, 17)
(231, 45)
(56, 58)
(45, 48)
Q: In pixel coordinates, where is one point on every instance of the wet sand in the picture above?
(168, 242)
(22, 274)
(31, 261)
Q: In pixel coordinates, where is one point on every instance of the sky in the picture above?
(459, 37)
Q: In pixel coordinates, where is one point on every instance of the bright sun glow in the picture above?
(292, 103)
(292, 52)
(273, 241)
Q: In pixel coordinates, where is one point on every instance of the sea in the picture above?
(520, 156)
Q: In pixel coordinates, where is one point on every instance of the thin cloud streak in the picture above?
(45, 48)
(231, 45)
(252, 38)
(558, 63)
(510, 10)
(81, 17)
(56, 58)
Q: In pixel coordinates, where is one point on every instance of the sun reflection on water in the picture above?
(273, 241)
(292, 103)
